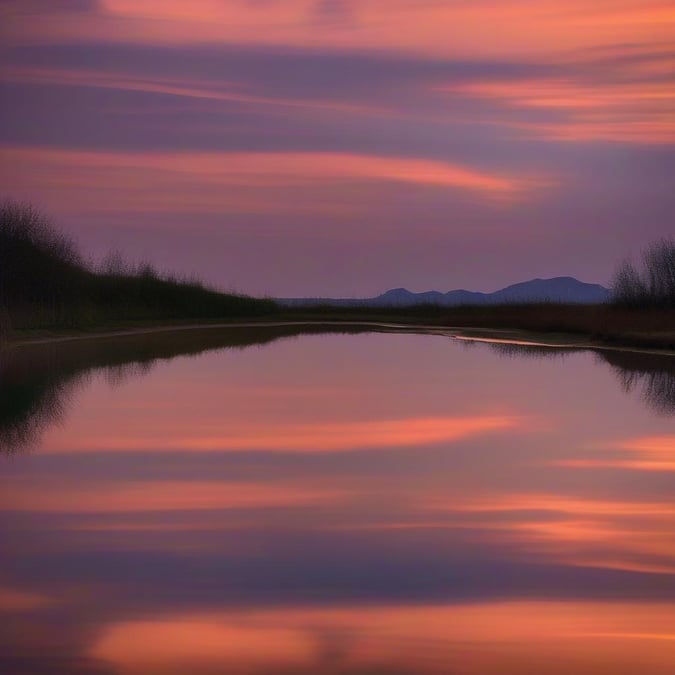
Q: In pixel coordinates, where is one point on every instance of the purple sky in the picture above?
(342, 147)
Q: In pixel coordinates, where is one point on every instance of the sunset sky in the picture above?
(343, 147)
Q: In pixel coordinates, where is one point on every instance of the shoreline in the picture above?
(471, 334)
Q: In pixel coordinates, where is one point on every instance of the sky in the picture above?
(344, 147)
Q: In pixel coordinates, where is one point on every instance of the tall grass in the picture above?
(45, 282)
(606, 323)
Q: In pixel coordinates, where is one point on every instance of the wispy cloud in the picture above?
(466, 28)
(622, 100)
(190, 88)
(410, 638)
(309, 437)
(140, 496)
(647, 453)
(574, 530)
(222, 182)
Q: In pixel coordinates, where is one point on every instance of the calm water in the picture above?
(354, 504)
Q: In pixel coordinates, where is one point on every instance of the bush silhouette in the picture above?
(40, 268)
(45, 282)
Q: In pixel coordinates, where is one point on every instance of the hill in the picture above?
(558, 289)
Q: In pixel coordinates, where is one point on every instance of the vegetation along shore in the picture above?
(48, 290)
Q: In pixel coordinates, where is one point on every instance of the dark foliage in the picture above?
(39, 267)
(45, 283)
(652, 284)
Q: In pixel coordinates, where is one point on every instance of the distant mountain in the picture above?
(559, 289)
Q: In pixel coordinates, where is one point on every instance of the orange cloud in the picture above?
(301, 437)
(653, 130)
(135, 496)
(612, 534)
(505, 637)
(641, 111)
(656, 447)
(546, 502)
(305, 183)
(479, 27)
(649, 453)
(162, 173)
(565, 93)
(13, 600)
(188, 645)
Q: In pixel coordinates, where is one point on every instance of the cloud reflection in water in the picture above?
(410, 505)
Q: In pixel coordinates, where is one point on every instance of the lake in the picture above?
(268, 501)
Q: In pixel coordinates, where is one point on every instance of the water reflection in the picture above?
(353, 504)
(652, 374)
(37, 382)
(501, 637)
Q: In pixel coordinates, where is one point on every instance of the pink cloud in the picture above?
(631, 103)
(233, 182)
(138, 496)
(300, 437)
(573, 530)
(646, 453)
(475, 638)
(495, 27)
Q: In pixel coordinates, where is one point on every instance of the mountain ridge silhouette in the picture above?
(557, 289)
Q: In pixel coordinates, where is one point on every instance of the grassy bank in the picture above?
(598, 324)
(105, 301)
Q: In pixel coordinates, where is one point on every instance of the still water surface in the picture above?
(256, 502)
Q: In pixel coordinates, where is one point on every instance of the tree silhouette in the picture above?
(650, 285)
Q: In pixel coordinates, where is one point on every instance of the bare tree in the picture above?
(114, 265)
(651, 285)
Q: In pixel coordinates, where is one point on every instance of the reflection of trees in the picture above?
(28, 405)
(37, 381)
(514, 350)
(653, 373)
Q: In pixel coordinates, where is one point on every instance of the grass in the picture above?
(592, 324)
(602, 324)
(116, 301)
